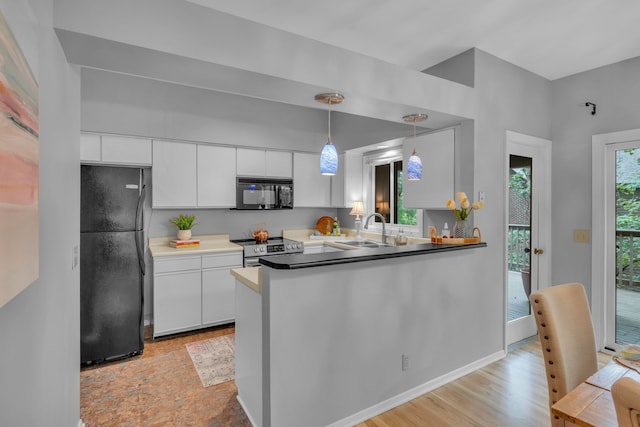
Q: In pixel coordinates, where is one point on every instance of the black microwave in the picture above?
(264, 193)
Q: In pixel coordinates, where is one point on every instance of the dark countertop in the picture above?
(296, 261)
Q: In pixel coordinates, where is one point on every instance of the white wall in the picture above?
(615, 89)
(40, 328)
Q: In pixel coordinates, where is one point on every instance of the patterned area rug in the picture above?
(214, 359)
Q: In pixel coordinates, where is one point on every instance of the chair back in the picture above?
(626, 398)
(567, 339)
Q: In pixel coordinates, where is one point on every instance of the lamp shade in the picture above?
(414, 168)
(329, 159)
(358, 208)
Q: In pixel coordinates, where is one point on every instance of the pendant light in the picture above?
(414, 166)
(329, 155)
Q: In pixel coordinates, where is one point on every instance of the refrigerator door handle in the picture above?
(139, 229)
(140, 209)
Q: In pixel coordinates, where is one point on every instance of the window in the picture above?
(385, 195)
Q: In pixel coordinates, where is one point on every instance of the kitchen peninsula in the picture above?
(335, 338)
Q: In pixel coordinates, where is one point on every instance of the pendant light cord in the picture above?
(329, 112)
(414, 138)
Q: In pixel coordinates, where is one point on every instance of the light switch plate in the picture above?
(581, 236)
(75, 257)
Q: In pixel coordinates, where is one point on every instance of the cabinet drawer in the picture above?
(171, 264)
(230, 259)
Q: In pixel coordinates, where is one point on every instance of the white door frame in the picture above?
(524, 327)
(603, 231)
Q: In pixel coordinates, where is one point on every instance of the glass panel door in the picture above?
(526, 229)
(519, 237)
(627, 238)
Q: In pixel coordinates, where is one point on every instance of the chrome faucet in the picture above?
(384, 231)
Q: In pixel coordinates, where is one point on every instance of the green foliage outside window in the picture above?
(627, 216)
(405, 216)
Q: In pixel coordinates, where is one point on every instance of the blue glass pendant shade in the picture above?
(414, 168)
(329, 159)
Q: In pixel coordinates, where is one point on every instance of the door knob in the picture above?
(538, 251)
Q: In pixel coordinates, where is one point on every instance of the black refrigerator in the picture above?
(112, 263)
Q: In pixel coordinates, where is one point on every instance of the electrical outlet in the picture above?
(405, 362)
(581, 236)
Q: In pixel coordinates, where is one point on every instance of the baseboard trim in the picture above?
(411, 394)
(244, 408)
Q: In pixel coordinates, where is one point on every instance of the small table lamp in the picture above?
(357, 210)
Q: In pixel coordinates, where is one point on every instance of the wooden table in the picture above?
(590, 404)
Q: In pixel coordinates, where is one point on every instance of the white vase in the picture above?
(184, 234)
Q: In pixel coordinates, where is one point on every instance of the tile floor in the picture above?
(159, 388)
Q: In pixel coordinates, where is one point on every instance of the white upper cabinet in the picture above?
(216, 176)
(120, 149)
(277, 164)
(115, 150)
(251, 162)
(437, 152)
(174, 174)
(90, 148)
(346, 185)
(310, 188)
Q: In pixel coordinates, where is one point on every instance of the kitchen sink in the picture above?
(365, 244)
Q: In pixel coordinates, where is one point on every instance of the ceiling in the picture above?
(550, 38)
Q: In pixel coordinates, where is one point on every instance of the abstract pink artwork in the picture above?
(19, 169)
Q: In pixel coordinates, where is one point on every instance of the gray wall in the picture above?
(509, 98)
(40, 328)
(615, 89)
(130, 105)
(460, 68)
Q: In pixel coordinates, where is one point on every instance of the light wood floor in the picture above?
(510, 392)
(161, 388)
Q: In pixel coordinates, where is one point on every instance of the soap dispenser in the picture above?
(445, 229)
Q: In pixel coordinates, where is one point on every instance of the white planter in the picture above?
(184, 234)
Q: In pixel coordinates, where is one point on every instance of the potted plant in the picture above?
(184, 223)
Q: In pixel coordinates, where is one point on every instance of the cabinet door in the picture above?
(313, 249)
(310, 188)
(251, 162)
(436, 150)
(218, 296)
(174, 175)
(346, 185)
(279, 164)
(90, 148)
(176, 302)
(125, 150)
(216, 176)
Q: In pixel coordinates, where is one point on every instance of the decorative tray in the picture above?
(450, 240)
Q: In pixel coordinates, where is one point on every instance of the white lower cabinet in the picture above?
(320, 249)
(177, 294)
(218, 288)
(192, 292)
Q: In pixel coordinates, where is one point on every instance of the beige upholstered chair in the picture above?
(626, 397)
(567, 339)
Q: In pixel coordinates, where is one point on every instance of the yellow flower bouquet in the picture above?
(465, 208)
